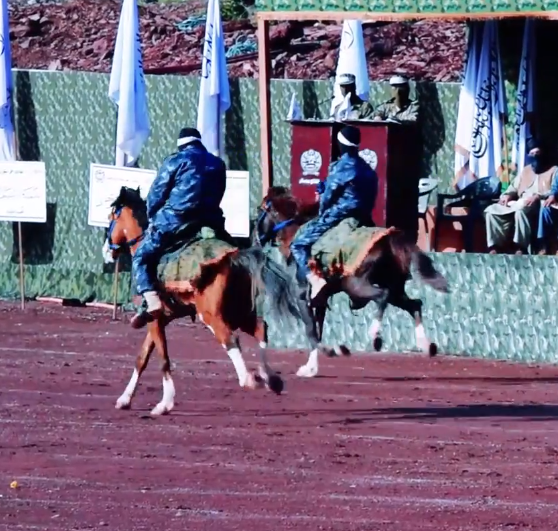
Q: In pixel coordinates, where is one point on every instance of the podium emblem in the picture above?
(311, 162)
(369, 157)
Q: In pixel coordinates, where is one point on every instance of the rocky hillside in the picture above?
(80, 35)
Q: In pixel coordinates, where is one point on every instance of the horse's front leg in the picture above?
(125, 400)
(157, 332)
(313, 323)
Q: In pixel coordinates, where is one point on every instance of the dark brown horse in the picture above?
(223, 296)
(381, 277)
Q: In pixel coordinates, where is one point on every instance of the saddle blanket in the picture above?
(183, 264)
(343, 248)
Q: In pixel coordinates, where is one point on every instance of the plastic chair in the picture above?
(426, 187)
(475, 198)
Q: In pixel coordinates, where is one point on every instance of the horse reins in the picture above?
(128, 243)
(276, 228)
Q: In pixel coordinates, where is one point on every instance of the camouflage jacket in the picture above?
(390, 110)
(361, 110)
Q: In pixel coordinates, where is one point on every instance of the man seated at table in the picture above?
(511, 220)
(358, 109)
(401, 108)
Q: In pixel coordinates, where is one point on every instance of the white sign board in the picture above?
(23, 191)
(104, 187)
(236, 204)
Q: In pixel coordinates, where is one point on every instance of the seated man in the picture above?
(548, 217)
(511, 219)
(401, 108)
(350, 191)
(186, 194)
(360, 109)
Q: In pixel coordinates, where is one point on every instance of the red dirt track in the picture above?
(388, 443)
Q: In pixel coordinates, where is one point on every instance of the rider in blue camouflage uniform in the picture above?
(350, 191)
(184, 197)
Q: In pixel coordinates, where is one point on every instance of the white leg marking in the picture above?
(374, 329)
(200, 317)
(240, 367)
(167, 403)
(211, 329)
(263, 344)
(126, 398)
(422, 340)
(311, 368)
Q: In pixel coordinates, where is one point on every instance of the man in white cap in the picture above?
(350, 191)
(358, 108)
(401, 108)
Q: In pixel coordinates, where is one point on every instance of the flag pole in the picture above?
(20, 241)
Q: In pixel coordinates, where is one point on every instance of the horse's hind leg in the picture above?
(157, 332)
(375, 330)
(125, 400)
(414, 308)
(257, 328)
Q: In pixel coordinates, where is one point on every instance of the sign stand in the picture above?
(21, 272)
(115, 289)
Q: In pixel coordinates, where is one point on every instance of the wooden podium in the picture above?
(393, 151)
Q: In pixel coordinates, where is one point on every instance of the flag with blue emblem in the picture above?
(7, 137)
(127, 88)
(214, 99)
(525, 108)
(486, 158)
(352, 60)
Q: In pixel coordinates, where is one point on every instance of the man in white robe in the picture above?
(512, 219)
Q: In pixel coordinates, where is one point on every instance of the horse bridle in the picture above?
(266, 210)
(127, 244)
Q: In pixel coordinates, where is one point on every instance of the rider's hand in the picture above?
(550, 201)
(531, 200)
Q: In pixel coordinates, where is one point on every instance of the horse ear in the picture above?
(138, 190)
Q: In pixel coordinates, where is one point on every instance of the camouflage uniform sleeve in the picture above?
(381, 111)
(366, 111)
(412, 112)
(162, 185)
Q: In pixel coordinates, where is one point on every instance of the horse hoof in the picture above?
(342, 350)
(161, 409)
(253, 381)
(432, 350)
(275, 384)
(378, 343)
(123, 403)
(330, 353)
(307, 372)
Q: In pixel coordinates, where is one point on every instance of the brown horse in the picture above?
(381, 277)
(223, 296)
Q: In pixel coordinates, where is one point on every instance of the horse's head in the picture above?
(128, 221)
(279, 210)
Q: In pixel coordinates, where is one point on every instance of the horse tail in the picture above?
(406, 253)
(270, 278)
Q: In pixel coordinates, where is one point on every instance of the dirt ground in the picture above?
(379, 442)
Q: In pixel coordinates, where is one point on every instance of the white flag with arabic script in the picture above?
(525, 108)
(214, 99)
(466, 109)
(490, 109)
(352, 60)
(127, 87)
(7, 137)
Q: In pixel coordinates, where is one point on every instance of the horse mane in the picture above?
(131, 198)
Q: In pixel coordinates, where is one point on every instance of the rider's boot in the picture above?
(149, 311)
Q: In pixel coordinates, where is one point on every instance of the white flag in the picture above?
(7, 137)
(215, 96)
(490, 109)
(294, 110)
(525, 98)
(352, 60)
(127, 87)
(466, 109)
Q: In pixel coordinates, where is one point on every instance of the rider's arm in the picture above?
(162, 185)
(334, 186)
